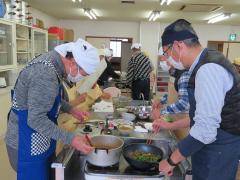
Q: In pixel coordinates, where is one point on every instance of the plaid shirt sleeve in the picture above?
(182, 103)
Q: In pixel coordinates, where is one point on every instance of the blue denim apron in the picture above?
(218, 160)
(35, 151)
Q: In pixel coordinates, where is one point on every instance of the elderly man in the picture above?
(138, 73)
(36, 99)
(214, 85)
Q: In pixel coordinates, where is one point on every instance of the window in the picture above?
(116, 46)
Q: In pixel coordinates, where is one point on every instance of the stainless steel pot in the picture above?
(107, 150)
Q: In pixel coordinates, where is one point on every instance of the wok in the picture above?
(141, 147)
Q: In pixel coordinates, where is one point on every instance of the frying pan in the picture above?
(141, 147)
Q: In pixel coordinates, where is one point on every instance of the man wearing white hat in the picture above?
(36, 99)
(138, 73)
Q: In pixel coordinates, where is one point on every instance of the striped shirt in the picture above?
(182, 103)
(139, 68)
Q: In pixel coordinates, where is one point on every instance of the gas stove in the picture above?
(122, 170)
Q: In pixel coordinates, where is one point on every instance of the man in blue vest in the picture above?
(214, 96)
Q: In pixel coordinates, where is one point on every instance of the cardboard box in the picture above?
(68, 35)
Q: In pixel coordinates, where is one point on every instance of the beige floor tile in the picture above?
(6, 172)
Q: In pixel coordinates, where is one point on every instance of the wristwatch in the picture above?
(169, 160)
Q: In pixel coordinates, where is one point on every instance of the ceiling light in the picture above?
(74, 1)
(154, 15)
(90, 13)
(80, 1)
(219, 17)
(165, 1)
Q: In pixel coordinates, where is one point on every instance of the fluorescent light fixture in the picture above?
(219, 17)
(168, 2)
(74, 1)
(162, 2)
(165, 1)
(90, 13)
(154, 15)
(80, 1)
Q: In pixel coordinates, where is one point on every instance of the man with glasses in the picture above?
(214, 95)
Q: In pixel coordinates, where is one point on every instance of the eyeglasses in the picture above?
(165, 52)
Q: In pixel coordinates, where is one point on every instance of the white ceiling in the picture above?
(114, 10)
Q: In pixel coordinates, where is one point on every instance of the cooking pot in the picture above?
(107, 150)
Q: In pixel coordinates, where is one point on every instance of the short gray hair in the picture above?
(183, 25)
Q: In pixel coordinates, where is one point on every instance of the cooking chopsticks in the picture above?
(88, 140)
(150, 137)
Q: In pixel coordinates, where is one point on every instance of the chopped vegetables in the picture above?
(147, 157)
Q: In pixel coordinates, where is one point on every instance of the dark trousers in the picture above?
(141, 86)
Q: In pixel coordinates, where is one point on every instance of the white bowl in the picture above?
(128, 116)
(148, 126)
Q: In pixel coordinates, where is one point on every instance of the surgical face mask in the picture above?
(76, 78)
(165, 67)
(178, 65)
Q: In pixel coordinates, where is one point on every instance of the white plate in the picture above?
(148, 126)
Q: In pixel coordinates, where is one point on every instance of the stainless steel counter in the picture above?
(70, 163)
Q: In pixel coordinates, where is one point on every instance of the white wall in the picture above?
(102, 28)
(149, 38)
(48, 20)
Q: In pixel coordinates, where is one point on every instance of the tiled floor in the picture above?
(6, 172)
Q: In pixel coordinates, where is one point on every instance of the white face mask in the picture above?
(165, 67)
(177, 65)
(76, 78)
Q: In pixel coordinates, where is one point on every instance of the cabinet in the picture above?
(24, 44)
(7, 45)
(162, 80)
(40, 41)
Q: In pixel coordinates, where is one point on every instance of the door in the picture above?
(126, 55)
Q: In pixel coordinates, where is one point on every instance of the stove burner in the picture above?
(131, 171)
(97, 169)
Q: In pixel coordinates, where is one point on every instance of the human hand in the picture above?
(106, 95)
(156, 104)
(80, 143)
(166, 168)
(161, 124)
(155, 114)
(79, 115)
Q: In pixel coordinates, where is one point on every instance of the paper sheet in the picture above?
(89, 81)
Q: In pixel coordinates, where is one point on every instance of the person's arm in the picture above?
(66, 107)
(42, 92)
(211, 85)
(182, 103)
(161, 124)
(111, 72)
(130, 72)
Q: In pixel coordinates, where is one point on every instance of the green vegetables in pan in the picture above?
(143, 156)
(168, 119)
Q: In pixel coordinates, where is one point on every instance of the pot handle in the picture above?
(96, 149)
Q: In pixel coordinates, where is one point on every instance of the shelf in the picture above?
(22, 39)
(19, 52)
(3, 36)
(3, 52)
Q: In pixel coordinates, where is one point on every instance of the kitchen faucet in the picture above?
(143, 100)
